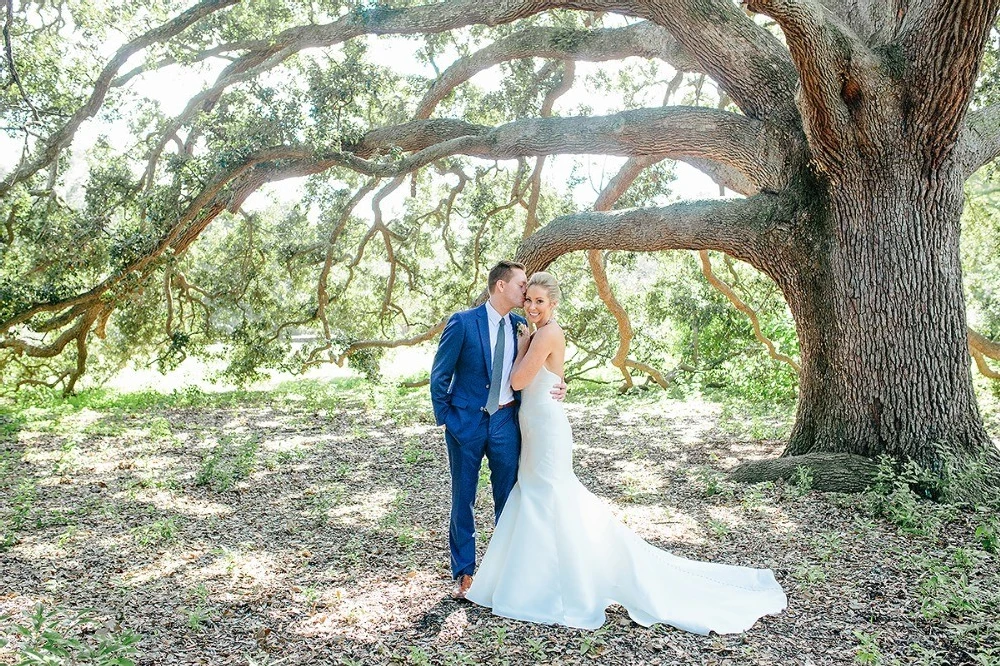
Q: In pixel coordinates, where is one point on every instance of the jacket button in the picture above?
(487, 386)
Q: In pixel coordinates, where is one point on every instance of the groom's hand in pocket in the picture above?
(558, 391)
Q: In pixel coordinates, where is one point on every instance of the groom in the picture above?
(472, 398)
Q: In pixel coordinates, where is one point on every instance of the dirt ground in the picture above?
(293, 528)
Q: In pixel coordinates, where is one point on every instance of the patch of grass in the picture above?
(228, 463)
(159, 429)
(163, 530)
(59, 635)
(414, 453)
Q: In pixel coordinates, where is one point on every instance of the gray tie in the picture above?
(493, 401)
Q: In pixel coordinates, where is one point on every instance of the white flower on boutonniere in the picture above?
(522, 328)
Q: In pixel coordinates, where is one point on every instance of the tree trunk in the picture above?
(880, 315)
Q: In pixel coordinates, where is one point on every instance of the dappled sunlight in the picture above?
(180, 503)
(638, 477)
(241, 567)
(367, 609)
(367, 508)
(162, 568)
(312, 534)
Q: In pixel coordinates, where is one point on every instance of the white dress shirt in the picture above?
(509, 349)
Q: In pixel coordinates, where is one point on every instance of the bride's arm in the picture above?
(531, 355)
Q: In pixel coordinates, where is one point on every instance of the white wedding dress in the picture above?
(559, 556)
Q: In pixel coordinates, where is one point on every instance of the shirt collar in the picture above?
(494, 316)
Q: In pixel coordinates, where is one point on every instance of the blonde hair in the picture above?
(546, 281)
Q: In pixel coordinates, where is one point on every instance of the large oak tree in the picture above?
(847, 125)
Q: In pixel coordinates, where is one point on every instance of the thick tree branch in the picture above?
(979, 142)
(62, 138)
(740, 227)
(643, 39)
(748, 62)
(838, 75)
(757, 150)
(943, 43)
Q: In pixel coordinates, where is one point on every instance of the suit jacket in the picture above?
(460, 376)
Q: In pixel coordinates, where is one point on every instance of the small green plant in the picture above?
(227, 464)
(159, 429)
(710, 481)
(988, 535)
(21, 504)
(802, 479)
(159, 531)
(350, 661)
(867, 651)
(809, 574)
(63, 636)
(593, 645)
(718, 528)
(418, 657)
(198, 616)
(536, 647)
(827, 545)
(499, 637)
(414, 454)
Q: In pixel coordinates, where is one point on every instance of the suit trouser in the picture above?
(502, 447)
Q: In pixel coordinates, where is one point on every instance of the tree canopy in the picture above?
(426, 137)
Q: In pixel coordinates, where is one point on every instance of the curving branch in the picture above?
(741, 305)
(748, 229)
(980, 347)
(562, 86)
(434, 18)
(757, 150)
(611, 193)
(643, 39)
(62, 137)
(8, 50)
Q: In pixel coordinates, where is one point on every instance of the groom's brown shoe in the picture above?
(462, 585)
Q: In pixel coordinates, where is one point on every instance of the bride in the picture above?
(558, 554)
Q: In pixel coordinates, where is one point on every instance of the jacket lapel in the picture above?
(484, 335)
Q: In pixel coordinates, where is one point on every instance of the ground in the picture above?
(307, 525)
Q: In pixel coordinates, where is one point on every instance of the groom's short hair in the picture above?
(502, 271)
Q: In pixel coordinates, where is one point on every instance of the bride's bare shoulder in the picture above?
(551, 333)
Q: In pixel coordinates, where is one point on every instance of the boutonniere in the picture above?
(522, 328)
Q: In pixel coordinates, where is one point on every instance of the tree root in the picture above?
(830, 472)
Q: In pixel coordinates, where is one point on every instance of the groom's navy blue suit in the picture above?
(460, 387)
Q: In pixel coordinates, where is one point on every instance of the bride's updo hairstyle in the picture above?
(546, 281)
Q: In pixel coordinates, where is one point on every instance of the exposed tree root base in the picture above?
(830, 472)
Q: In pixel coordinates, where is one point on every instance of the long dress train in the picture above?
(558, 554)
